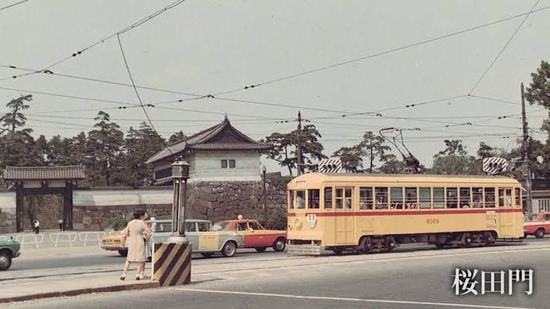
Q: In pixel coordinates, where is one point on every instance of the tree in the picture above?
(538, 91)
(373, 147)
(176, 137)
(453, 160)
(102, 149)
(59, 151)
(139, 145)
(14, 118)
(17, 145)
(285, 146)
(350, 157)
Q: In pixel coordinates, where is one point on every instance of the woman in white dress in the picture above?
(138, 233)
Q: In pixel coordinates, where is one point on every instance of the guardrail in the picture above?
(30, 239)
(85, 237)
(57, 238)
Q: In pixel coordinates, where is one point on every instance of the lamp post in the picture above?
(264, 170)
(180, 174)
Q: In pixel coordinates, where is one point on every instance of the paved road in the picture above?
(408, 279)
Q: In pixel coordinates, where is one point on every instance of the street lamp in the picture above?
(264, 170)
(180, 174)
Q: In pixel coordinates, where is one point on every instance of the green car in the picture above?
(9, 249)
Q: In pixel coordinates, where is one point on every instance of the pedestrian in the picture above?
(60, 222)
(138, 234)
(36, 226)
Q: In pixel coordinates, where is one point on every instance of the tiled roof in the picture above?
(199, 141)
(231, 146)
(44, 172)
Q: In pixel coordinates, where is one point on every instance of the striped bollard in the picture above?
(171, 263)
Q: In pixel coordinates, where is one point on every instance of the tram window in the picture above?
(490, 197)
(300, 199)
(477, 197)
(425, 195)
(508, 197)
(517, 191)
(313, 198)
(328, 198)
(365, 198)
(339, 199)
(291, 199)
(465, 198)
(396, 198)
(411, 198)
(381, 198)
(439, 198)
(348, 198)
(452, 197)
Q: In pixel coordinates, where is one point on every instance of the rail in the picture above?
(69, 238)
(30, 239)
(86, 237)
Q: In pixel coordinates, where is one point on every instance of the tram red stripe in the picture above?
(406, 212)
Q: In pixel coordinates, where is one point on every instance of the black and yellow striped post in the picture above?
(172, 263)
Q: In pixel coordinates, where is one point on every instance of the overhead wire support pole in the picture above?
(299, 146)
(526, 155)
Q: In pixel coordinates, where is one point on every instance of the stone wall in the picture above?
(205, 200)
(93, 218)
(225, 200)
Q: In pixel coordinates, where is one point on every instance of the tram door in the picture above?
(343, 199)
(506, 214)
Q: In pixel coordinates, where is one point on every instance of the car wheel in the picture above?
(123, 252)
(539, 233)
(207, 254)
(229, 249)
(260, 249)
(5, 260)
(279, 245)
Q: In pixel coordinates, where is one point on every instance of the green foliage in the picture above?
(176, 137)
(350, 157)
(277, 219)
(117, 223)
(454, 160)
(374, 147)
(285, 147)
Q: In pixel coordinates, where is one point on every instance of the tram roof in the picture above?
(316, 177)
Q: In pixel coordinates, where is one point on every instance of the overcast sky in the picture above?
(325, 58)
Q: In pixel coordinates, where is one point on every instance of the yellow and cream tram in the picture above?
(366, 212)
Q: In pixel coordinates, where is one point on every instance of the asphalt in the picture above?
(35, 284)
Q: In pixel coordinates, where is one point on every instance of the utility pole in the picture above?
(526, 155)
(299, 146)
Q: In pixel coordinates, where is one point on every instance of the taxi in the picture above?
(9, 249)
(198, 232)
(536, 224)
(254, 235)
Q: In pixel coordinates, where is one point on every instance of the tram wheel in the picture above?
(365, 245)
(338, 250)
(466, 240)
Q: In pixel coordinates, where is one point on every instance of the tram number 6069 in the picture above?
(432, 221)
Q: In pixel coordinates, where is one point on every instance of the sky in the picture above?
(348, 66)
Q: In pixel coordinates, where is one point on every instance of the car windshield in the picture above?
(220, 226)
(529, 218)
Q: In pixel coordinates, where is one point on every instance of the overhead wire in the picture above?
(124, 30)
(12, 5)
(503, 48)
(404, 47)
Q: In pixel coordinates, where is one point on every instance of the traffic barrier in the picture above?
(69, 238)
(30, 239)
(85, 237)
(171, 263)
